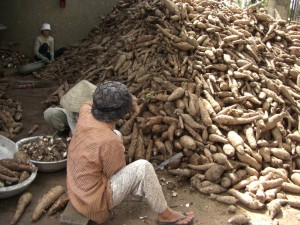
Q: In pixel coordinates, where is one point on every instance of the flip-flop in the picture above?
(176, 221)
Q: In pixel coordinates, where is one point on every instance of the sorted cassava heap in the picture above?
(219, 83)
(14, 171)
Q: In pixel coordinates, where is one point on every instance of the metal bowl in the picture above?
(44, 166)
(31, 67)
(50, 166)
(8, 148)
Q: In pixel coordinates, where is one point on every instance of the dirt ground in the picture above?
(132, 211)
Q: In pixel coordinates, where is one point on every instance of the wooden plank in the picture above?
(71, 216)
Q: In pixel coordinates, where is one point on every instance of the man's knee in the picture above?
(144, 163)
(48, 114)
(53, 113)
(56, 118)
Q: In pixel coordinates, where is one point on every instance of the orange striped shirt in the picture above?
(94, 155)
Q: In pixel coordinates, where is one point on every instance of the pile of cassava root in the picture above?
(54, 98)
(10, 117)
(45, 149)
(218, 83)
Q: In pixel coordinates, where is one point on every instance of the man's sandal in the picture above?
(176, 221)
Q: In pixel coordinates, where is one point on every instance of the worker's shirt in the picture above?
(94, 155)
(41, 40)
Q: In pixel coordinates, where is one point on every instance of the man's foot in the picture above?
(170, 216)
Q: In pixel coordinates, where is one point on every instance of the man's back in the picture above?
(93, 145)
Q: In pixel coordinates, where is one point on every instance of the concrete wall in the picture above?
(23, 19)
(282, 6)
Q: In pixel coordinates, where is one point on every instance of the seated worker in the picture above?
(44, 46)
(64, 119)
(97, 176)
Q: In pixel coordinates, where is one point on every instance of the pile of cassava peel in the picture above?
(45, 149)
(214, 81)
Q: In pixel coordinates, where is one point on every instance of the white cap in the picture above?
(46, 26)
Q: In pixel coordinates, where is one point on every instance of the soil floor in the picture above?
(132, 211)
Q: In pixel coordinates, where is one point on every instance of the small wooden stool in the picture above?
(71, 216)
